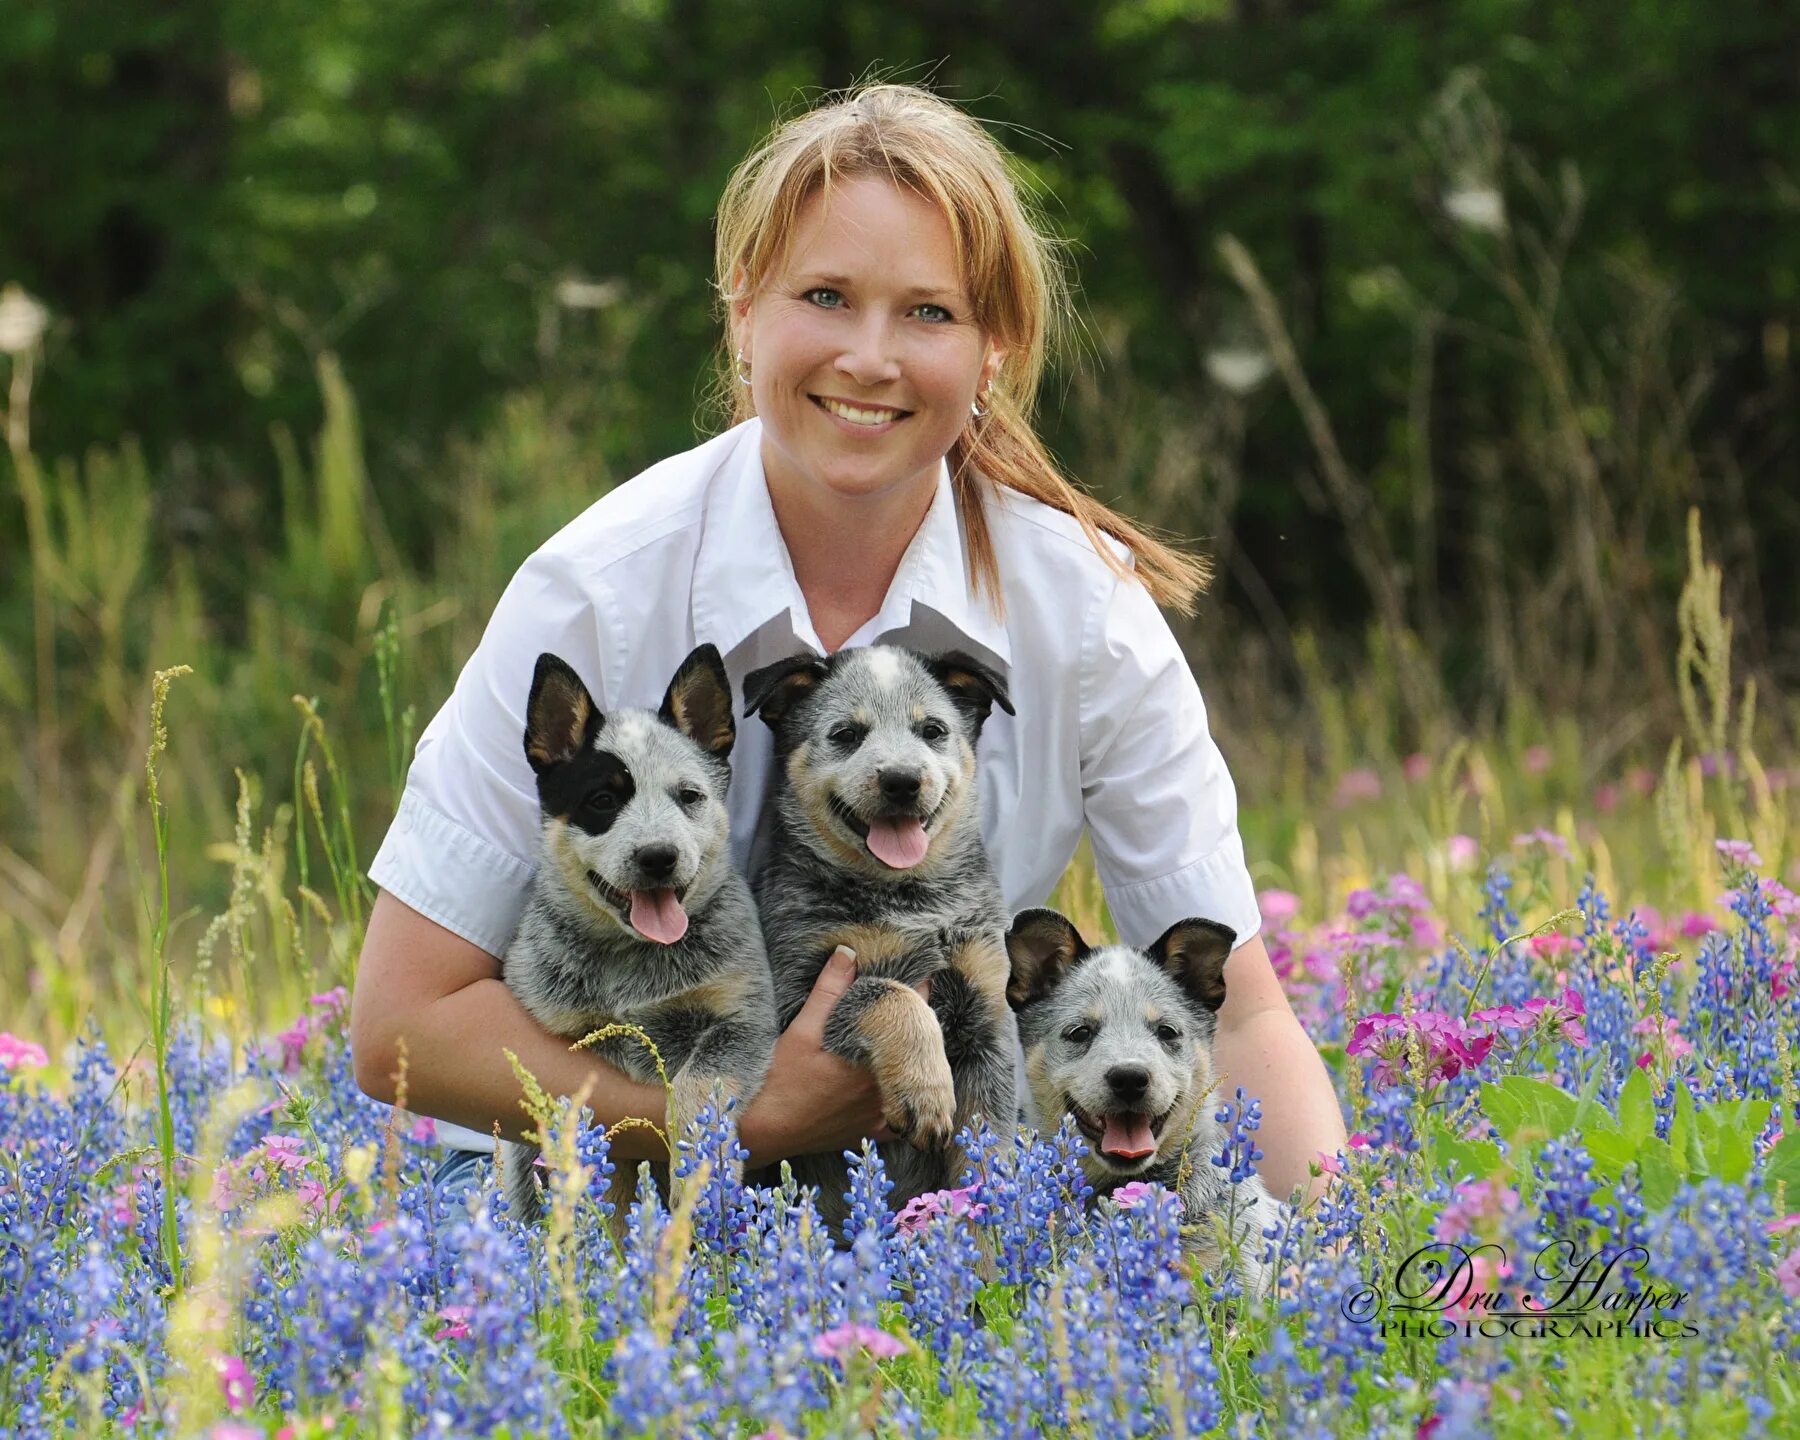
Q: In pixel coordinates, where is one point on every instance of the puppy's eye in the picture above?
(689, 796)
(1167, 1033)
(933, 731)
(847, 735)
(1079, 1034)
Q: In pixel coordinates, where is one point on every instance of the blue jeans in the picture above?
(458, 1173)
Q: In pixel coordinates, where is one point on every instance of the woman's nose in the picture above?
(870, 355)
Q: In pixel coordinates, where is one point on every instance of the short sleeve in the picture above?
(1160, 806)
(462, 847)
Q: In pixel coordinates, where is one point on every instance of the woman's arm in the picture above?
(444, 996)
(1261, 1046)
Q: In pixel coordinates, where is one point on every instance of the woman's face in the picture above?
(862, 348)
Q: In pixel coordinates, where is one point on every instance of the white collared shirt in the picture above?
(1110, 730)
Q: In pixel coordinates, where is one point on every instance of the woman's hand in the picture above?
(814, 1102)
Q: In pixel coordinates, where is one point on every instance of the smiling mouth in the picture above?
(1123, 1138)
(654, 914)
(897, 841)
(873, 416)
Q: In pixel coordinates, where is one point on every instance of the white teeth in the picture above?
(859, 417)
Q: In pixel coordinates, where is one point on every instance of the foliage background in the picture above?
(351, 305)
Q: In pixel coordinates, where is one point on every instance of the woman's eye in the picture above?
(1079, 1034)
(830, 304)
(932, 730)
(1168, 1034)
(942, 316)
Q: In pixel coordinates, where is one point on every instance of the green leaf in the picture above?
(1783, 1165)
(1637, 1108)
(1519, 1105)
(1480, 1159)
(1659, 1173)
(1684, 1135)
(1612, 1150)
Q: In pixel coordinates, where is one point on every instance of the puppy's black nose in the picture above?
(657, 861)
(1128, 1082)
(899, 786)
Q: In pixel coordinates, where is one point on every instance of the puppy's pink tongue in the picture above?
(657, 915)
(1128, 1137)
(898, 843)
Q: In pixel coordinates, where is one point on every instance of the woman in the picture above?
(887, 302)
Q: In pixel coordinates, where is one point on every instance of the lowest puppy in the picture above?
(1122, 1040)
(636, 915)
(876, 845)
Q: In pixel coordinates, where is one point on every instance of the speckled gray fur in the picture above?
(576, 963)
(1087, 1015)
(944, 917)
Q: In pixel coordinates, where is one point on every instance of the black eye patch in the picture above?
(589, 791)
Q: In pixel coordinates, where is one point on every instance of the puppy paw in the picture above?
(919, 1103)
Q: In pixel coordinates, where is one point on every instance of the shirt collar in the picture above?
(744, 579)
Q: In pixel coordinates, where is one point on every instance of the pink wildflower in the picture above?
(231, 1430)
(923, 1208)
(1784, 1224)
(1663, 1026)
(1606, 798)
(1360, 1141)
(293, 1044)
(318, 1200)
(1536, 759)
(15, 1052)
(1140, 1192)
(1641, 780)
(456, 1322)
(236, 1383)
(1461, 851)
(1787, 1274)
(1737, 852)
(842, 1341)
(424, 1129)
(1416, 766)
(1562, 1016)
(1278, 906)
(284, 1150)
(1549, 839)
(1694, 925)
(1477, 1203)
(1355, 785)
(334, 1002)
(1330, 1164)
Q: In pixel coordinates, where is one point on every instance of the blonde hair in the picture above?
(1013, 273)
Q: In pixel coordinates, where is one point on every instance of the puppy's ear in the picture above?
(1194, 952)
(975, 687)
(699, 702)
(1041, 945)
(561, 719)
(772, 690)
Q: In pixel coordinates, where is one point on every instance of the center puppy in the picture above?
(876, 845)
(636, 914)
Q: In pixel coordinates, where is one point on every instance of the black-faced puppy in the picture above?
(1122, 1040)
(636, 914)
(876, 844)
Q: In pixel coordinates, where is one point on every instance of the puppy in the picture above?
(636, 915)
(1122, 1040)
(876, 845)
